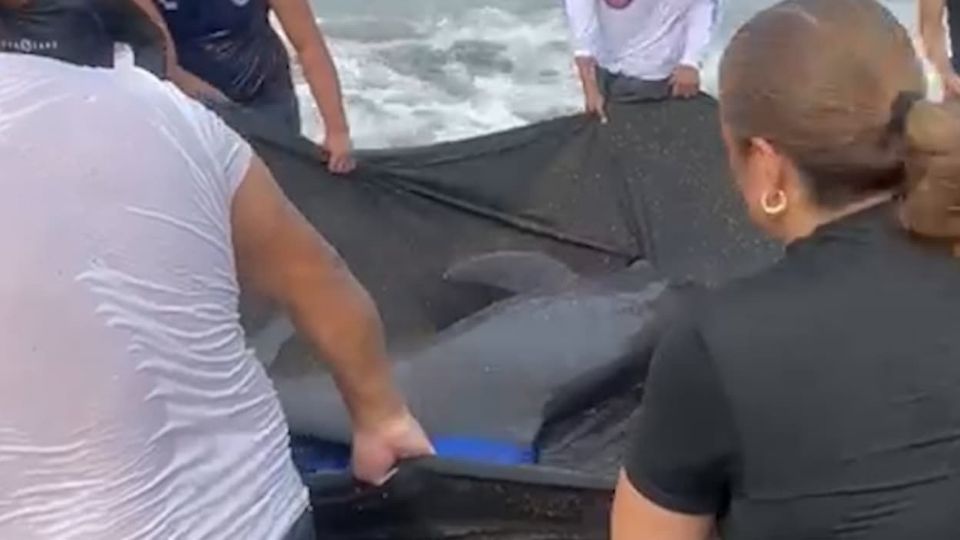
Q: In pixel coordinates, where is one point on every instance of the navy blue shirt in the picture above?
(231, 45)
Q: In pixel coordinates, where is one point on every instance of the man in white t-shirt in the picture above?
(130, 405)
(628, 50)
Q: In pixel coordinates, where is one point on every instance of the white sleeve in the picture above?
(701, 19)
(584, 26)
(231, 153)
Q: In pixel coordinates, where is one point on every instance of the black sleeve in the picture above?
(683, 441)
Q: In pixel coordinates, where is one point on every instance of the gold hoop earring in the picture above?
(774, 209)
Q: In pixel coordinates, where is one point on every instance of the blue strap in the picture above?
(313, 455)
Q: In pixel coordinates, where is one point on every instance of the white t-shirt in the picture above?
(648, 39)
(130, 406)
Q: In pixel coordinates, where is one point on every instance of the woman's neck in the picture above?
(815, 219)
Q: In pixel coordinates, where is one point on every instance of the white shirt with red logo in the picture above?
(644, 39)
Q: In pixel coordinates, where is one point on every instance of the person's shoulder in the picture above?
(720, 310)
(93, 84)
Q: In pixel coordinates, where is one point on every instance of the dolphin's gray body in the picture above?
(500, 374)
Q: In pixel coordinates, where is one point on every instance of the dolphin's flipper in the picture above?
(515, 272)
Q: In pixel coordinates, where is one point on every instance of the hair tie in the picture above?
(900, 109)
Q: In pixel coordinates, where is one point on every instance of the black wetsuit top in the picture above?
(82, 32)
(69, 30)
(817, 400)
(231, 45)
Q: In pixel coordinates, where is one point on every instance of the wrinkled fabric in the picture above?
(130, 405)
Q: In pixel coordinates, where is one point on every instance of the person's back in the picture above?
(131, 407)
(819, 399)
(845, 397)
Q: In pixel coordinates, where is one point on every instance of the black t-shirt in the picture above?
(82, 32)
(68, 30)
(817, 400)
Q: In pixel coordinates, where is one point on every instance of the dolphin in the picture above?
(501, 375)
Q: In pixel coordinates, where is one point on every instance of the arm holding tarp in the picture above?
(585, 27)
(283, 257)
(319, 70)
(701, 19)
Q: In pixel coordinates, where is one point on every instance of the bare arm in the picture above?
(933, 34)
(283, 257)
(685, 80)
(189, 83)
(584, 27)
(170, 49)
(301, 28)
(635, 516)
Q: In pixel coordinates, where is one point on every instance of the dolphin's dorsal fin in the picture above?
(515, 272)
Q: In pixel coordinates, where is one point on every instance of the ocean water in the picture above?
(422, 71)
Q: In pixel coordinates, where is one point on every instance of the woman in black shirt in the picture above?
(819, 399)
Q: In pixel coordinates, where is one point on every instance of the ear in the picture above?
(768, 164)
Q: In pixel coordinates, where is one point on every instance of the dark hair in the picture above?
(824, 81)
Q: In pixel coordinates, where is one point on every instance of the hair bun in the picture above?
(933, 128)
(932, 204)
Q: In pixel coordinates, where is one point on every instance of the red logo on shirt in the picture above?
(618, 4)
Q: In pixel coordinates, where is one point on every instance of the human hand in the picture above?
(595, 104)
(951, 85)
(685, 82)
(377, 448)
(340, 148)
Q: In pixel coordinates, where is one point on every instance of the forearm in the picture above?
(170, 48)
(341, 323)
(321, 75)
(933, 35)
(587, 69)
(935, 48)
(700, 23)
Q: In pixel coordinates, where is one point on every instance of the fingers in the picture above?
(341, 164)
(598, 110)
(684, 90)
(338, 161)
